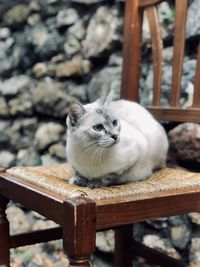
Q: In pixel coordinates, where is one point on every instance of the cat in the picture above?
(113, 142)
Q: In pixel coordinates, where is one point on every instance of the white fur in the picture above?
(142, 146)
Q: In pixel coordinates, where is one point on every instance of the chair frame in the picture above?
(80, 218)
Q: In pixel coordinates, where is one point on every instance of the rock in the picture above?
(178, 220)
(34, 6)
(9, 42)
(76, 66)
(50, 47)
(77, 30)
(34, 19)
(22, 57)
(4, 110)
(195, 217)
(22, 133)
(5, 134)
(190, 92)
(48, 160)
(189, 68)
(47, 134)
(58, 151)
(115, 60)
(72, 46)
(101, 33)
(168, 54)
(78, 91)
(58, 58)
(4, 33)
(49, 98)
(185, 143)
(20, 106)
(45, 44)
(28, 157)
(7, 159)
(15, 85)
(105, 241)
(43, 224)
(166, 18)
(193, 19)
(67, 17)
(75, 35)
(5, 67)
(43, 69)
(195, 251)
(187, 83)
(16, 16)
(158, 224)
(180, 235)
(18, 220)
(109, 77)
(162, 245)
(38, 36)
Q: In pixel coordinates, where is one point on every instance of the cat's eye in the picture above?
(98, 127)
(115, 123)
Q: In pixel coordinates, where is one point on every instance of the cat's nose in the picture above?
(114, 136)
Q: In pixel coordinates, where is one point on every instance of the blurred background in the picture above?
(54, 52)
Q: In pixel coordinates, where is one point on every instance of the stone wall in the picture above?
(53, 52)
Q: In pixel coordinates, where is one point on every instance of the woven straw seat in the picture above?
(55, 179)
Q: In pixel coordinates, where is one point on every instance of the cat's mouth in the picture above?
(110, 142)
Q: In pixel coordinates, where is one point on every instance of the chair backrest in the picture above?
(132, 57)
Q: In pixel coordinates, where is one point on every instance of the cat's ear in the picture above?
(106, 98)
(76, 111)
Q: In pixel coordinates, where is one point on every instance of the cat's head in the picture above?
(94, 123)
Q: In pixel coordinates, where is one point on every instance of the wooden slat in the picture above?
(14, 188)
(123, 238)
(157, 46)
(143, 3)
(154, 257)
(179, 46)
(176, 114)
(154, 206)
(196, 98)
(131, 50)
(39, 236)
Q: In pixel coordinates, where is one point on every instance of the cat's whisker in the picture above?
(99, 151)
(96, 155)
(89, 150)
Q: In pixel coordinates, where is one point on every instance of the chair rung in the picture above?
(34, 237)
(155, 257)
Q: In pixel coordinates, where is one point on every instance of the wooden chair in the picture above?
(82, 211)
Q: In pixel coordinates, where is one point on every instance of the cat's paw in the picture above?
(94, 183)
(81, 181)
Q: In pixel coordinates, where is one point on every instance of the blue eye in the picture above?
(115, 123)
(98, 127)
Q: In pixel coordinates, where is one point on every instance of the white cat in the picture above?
(113, 142)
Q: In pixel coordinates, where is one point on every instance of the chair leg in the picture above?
(123, 239)
(79, 231)
(4, 234)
